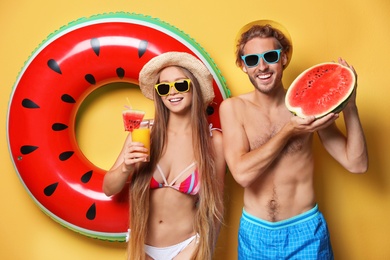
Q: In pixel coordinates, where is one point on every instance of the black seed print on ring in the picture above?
(54, 66)
(90, 78)
(50, 189)
(209, 110)
(66, 155)
(59, 127)
(27, 103)
(95, 46)
(68, 98)
(120, 72)
(86, 177)
(26, 149)
(91, 213)
(142, 47)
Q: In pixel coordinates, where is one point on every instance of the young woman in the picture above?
(176, 198)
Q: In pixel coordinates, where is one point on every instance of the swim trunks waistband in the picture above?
(284, 223)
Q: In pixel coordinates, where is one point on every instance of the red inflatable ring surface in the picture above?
(70, 64)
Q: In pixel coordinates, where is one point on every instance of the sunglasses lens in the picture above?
(251, 60)
(182, 86)
(163, 89)
(271, 56)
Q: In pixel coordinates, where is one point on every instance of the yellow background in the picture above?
(357, 207)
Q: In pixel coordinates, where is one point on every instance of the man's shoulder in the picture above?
(239, 100)
(231, 105)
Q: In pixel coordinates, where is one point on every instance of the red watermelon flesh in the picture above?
(320, 90)
(132, 119)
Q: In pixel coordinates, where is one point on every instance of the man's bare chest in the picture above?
(262, 131)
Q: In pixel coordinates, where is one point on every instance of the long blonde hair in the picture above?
(209, 210)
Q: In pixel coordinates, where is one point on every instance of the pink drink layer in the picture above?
(132, 119)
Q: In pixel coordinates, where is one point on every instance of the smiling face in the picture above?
(177, 102)
(264, 77)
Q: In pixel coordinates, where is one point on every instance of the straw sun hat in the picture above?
(149, 74)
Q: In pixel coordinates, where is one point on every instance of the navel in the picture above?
(273, 207)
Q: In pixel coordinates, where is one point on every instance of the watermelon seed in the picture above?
(27, 103)
(209, 110)
(66, 155)
(86, 177)
(120, 72)
(95, 45)
(90, 78)
(54, 66)
(142, 47)
(91, 213)
(26, 149)
(50, 189)
(58, 127)
(68, 99)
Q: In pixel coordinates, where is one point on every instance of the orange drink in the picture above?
(142, 135)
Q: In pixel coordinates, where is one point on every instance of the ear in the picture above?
(243, 67)
(284, 59)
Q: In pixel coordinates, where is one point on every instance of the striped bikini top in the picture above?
(190, 185)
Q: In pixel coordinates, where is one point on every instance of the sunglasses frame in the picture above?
(172, 84)
(261, 56)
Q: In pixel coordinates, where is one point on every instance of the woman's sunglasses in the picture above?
(252, 60)
(181, 86)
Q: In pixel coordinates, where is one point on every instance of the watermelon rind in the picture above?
(134, 112)
(303, 99)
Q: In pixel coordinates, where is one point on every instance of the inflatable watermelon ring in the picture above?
(70, 64)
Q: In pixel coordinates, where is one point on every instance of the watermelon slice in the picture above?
(132, 119)
(320, 90)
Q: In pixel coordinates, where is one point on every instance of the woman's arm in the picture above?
(124, 166)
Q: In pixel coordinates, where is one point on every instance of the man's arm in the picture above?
(246, 165)
(349, 150)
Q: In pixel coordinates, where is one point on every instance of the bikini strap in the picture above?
(211, 129)
(181, 173)
(162, 174)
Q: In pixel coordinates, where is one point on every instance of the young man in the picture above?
(271, 156)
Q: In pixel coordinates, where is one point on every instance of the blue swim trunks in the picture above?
(302, 237)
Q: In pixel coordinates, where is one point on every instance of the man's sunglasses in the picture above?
(252, 60)
(181, 86)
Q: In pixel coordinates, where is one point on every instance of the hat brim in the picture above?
(148, 76)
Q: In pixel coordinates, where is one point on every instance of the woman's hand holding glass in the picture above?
(135, 152)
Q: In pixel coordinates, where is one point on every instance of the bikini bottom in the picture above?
(168, 253)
